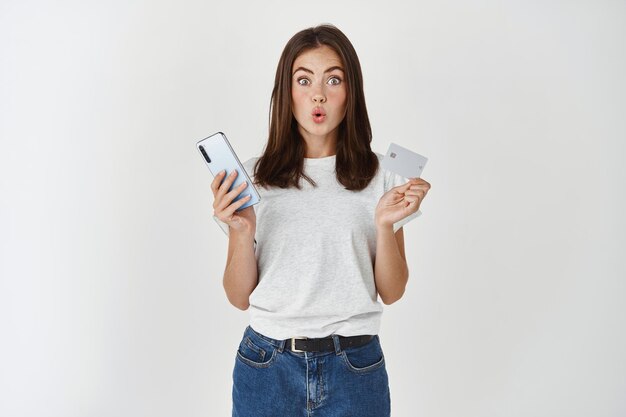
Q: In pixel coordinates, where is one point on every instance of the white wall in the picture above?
(111, 300)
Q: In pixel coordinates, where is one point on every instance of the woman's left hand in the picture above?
(401, 201)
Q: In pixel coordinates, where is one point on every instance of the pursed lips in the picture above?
(318, 111)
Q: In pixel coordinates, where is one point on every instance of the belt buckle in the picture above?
(293, 343)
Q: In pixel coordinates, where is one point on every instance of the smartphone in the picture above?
(219, 155)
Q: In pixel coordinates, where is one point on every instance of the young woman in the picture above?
(310, 260)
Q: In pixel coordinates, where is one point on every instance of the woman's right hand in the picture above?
(243, 220)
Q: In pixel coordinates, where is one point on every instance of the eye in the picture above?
(337, 79)
(303, 83)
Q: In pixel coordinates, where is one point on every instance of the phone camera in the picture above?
(205, 154)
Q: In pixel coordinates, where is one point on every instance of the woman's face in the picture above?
(318, 93)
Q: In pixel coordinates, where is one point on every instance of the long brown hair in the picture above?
(282, 161)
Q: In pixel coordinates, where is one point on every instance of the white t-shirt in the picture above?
(315, 250)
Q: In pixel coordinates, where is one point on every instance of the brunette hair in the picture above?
(282, 161)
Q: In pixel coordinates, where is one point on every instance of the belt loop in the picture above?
(281, 346)
(337, 344)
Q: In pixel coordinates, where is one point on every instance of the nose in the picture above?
(318, 96)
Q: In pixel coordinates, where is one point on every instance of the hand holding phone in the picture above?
(225, 209)
(232, 196)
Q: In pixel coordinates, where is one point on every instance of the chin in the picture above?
(322, 129)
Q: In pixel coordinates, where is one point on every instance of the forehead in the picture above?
(322, 56)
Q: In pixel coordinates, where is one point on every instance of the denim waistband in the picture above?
(276, 342)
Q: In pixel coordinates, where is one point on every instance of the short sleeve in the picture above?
(249, 167)
(394, 180)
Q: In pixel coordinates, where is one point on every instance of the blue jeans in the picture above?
(272, 381)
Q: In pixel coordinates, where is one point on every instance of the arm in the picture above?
(391, 272)
(241, 273)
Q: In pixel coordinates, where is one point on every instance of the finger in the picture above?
(417, 181)
(412, 199)
(402, 187)
(228, 181)
(227, 198)
(413, 205)
(230, 211)
(419, 192)
(223, 188)
(413, 182)
(413, 196)
(420, 187)
(421, 183)
(215, 184)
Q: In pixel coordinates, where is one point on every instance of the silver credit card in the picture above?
(403, 161)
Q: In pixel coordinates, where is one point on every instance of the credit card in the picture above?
(403, 161)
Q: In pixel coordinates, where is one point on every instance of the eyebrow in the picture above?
(336, 67)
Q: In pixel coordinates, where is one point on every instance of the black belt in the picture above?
(302, 344)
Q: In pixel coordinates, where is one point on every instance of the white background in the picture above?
(111, 297)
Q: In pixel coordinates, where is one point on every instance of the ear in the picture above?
(400, 240)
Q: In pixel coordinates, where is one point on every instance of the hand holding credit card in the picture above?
(403, 161)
